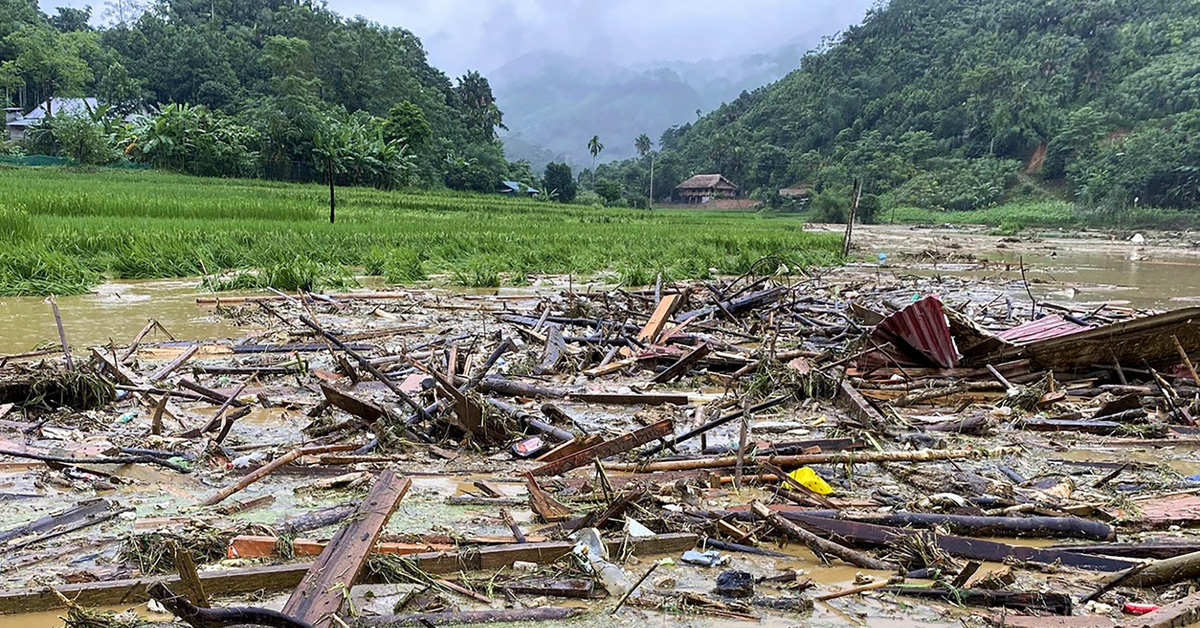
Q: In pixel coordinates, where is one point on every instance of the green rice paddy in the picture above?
(63, 231)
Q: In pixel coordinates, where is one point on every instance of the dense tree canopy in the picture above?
(960, 104)
(286, 71)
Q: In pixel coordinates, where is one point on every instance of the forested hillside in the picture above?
(961, 104)
(265, 87)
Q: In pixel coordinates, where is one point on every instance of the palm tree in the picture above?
(595, 148)
(645, 147)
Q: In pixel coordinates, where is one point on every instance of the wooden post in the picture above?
(850, 218)
(186, 566)
(741, 455)
(62, 334)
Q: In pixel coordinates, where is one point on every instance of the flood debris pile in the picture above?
(932, 450)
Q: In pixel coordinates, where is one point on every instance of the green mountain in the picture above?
(961, 104)
(554, 103)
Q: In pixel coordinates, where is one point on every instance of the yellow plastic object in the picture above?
(811, 481)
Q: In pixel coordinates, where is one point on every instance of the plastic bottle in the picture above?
(614, 580)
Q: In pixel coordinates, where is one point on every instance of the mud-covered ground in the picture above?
(1060, 473)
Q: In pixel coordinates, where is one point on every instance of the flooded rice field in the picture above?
(909, 440)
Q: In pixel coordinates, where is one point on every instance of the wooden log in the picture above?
(821, 547)
(975, 549)
(555, 433)
(740, 305)
(923, 455)
(283, 577)
(1167, 571)
(326, 586)
(1066, 527)
(512, 388)
(612, 447)
(210, 394)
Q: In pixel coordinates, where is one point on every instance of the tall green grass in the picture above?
(74, 228)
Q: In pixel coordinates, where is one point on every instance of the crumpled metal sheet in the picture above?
(1051, 326)
(921, 331)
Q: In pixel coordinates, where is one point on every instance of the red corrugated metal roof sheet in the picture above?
(1051, 326)
(921, 328)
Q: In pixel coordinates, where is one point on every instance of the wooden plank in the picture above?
(572, 446)
(658, 320)
(364, 410)
(681, 366)
(283, 577)
(326, 586)
(618, 445)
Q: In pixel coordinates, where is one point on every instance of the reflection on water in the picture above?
(115, 311)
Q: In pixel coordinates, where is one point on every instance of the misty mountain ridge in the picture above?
(555, 102)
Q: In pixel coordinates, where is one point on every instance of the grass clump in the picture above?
(299, 274)
(152, 553)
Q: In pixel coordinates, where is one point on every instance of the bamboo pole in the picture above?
(847, 457)
(268, 469)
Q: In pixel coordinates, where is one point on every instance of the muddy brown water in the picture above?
(113, 311)
(1162, 273)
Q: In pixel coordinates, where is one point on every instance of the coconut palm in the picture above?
(595, 148)
(645, 147)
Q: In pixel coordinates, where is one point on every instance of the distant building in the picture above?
(19, 125)
(513, 188)
(799, 191)
(705, 187)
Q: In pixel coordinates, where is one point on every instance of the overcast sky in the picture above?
(485, 34)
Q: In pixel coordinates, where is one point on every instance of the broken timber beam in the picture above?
(618, 445)
(681, 366)
(326, 586)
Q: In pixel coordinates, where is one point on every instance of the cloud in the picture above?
(485, 34)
